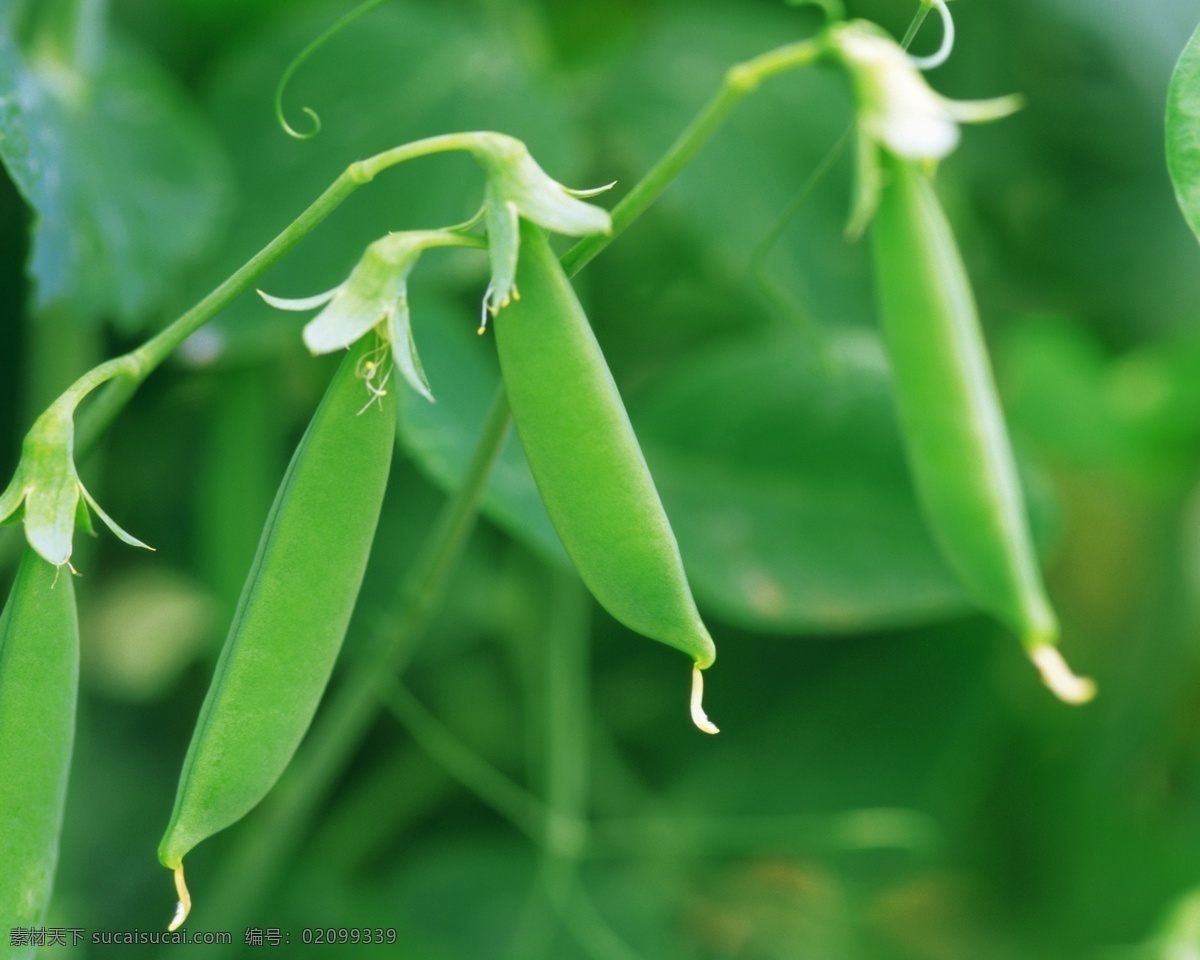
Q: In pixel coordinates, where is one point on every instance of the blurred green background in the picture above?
(891, 781)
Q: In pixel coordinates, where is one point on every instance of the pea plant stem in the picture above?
(121, 376)
(509, 799)
(758, 261)
(124, 374)
(567, 670)
(740, 81)
(568, 764)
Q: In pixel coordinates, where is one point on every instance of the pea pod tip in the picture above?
(1063, 682)
(184, 906)
(699, 717)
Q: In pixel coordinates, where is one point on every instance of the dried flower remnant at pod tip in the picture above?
(518, 188)
(699, 717)
(374, 296)
(1059, 678)
(47, 494)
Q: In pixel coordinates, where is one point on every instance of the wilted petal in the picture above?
(515, 177)
(591, 192)
(301, 303)
(51, 485)
(868, 185)
(548, 203)
(404, 348)
(48, 485)
(503, 227)
(517, 187)
(110, 522)
(981, 111)
(50, 513)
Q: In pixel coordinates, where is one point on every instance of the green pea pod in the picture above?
(39, 679)
(586, 460)
(958, 447)
(293, 612)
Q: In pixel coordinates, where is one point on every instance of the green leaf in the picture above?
(780, 465)
(1183, 132)
(125, 180)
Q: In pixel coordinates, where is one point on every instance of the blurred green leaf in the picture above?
(1078, 406)
(732, 195)
(124, 177)
(1183, 132)
(779, 461)
(1155, 390)
(441, 436)
(1054, 375)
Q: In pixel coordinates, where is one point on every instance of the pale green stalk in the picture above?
(758, 260)
(498, 791)
(568, 764)
(740, 81)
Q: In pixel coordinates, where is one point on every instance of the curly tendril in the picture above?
(344, 21)
(942, 54)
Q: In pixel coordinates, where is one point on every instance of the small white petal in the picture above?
(503, 226)
(517, 178)
(917, 137)
(564, 214)
(50, 520)
(981, 111)
(184, 906)
(404, 349)
(347, 317)
(593, 192)
(301, 303)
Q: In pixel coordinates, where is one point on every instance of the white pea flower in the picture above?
(517, 187)
(898, 111)
(896, 107)
(375, 295)
(47, 485)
